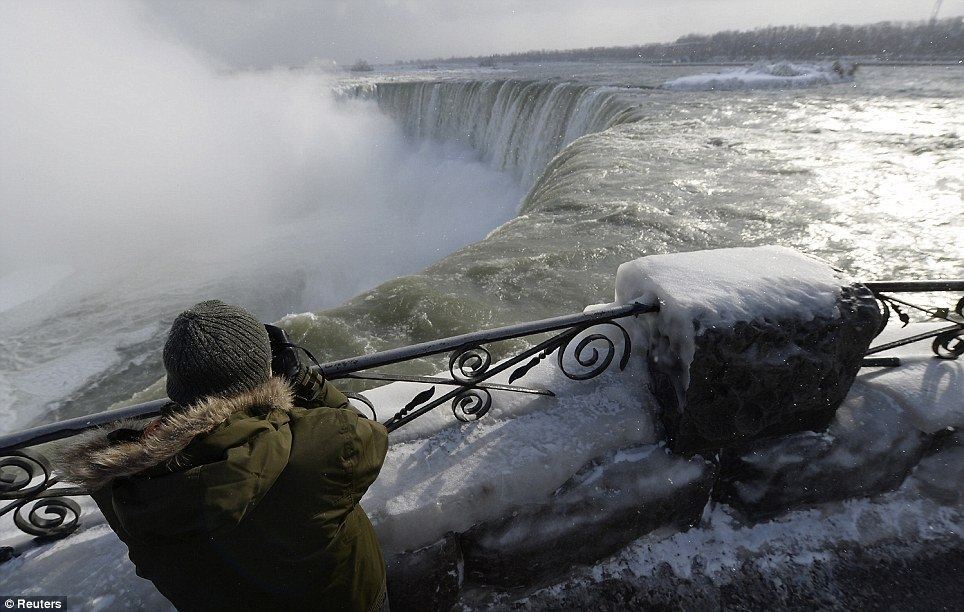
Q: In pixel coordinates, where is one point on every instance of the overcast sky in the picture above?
(262, 33)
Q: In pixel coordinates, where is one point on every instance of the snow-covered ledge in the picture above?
(576, 500)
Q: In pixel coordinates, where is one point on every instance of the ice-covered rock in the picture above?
(870, 446)
(603, 507)
(781, 75)
(749, 342)
(609, 503)
(897, 550)
(940, 476)
(444, 476)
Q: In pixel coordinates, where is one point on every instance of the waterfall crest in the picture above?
(516, 125)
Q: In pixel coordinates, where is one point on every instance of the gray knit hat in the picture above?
(215, 349)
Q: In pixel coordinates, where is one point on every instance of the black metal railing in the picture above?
(948, 340)
(43, 509)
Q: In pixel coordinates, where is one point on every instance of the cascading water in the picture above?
(516, 126)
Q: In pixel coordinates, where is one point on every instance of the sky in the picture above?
(265, 33)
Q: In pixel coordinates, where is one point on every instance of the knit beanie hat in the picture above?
(215, 349)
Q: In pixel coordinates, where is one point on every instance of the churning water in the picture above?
(597, 165)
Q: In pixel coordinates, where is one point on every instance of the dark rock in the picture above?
(761, 378)
(606, 505)
(7, 553)
(426, 579)
(869, 447)
(888, 575)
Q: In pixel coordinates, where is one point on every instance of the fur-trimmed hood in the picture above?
(97, 459)
(246, 503)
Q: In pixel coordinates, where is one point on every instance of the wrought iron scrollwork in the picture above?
(38, 509)
(49, 517)
(950, 344)
(19, 474)
(596, 365)
(469, 364)
(471, 404)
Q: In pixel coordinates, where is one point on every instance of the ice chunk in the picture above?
(870, 447)
(940, 475)
(781, 75)
(441, 475)
(606, 505)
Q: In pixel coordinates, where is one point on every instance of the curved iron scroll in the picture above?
(471, 364)
(38, 509)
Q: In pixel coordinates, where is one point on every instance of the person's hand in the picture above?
(284, 357)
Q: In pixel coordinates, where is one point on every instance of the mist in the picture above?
(137, 178)
(125, 151)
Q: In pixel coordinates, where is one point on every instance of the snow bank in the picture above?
(782, 75)
(929, 389)
(442, 475)
(857, 554)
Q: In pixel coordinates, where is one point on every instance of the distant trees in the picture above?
(931, 40)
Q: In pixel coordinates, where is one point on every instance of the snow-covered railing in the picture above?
(41, 509)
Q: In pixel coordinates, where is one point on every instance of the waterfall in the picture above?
(516, 126)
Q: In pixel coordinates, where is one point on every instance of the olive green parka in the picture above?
(246, 502)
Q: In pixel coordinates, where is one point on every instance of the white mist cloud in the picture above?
(120, 146)
(136, 179)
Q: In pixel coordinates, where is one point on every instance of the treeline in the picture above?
(932, 40)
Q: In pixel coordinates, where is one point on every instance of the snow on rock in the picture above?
(701, 290)
(930, 389)
(897, 550)
(442, 475)
(870, 446)
(748, 342)
(603, 507)
(782, 75)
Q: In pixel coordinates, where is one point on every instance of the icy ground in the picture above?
(782, 75)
